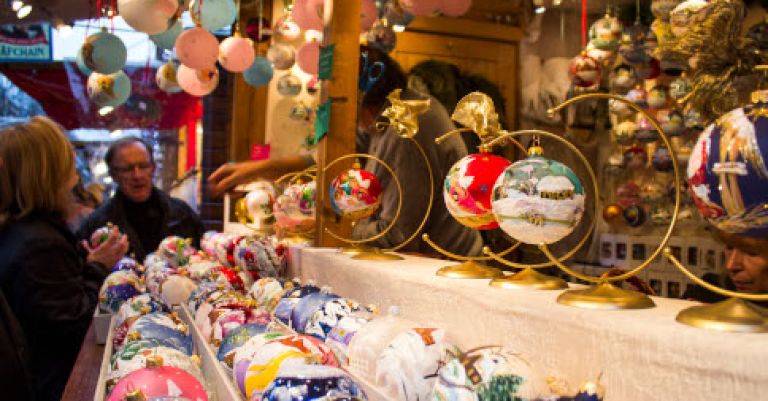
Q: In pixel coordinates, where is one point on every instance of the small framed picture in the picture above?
(709, 260)
(606, 250)
(677, 252)
(638, 251)
(621, 251)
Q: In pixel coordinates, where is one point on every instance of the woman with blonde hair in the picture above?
(50, 289)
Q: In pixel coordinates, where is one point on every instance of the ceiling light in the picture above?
(106, 110)
(557, 3)
(64, 29)
(24, 11)
(398, 28)
(16, 5)
(540, 10)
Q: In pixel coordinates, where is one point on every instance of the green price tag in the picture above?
(326, 62)
(322, 120)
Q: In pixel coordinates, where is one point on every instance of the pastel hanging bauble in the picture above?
(635, 158)
(658, 97)
(639, 96)
(282, 56)
(167, 39)
(308, 14)
(197, 49)
(149, 16)
(289, 85)
(671, 122)
(382, 37)
(258, 29)
(538, 200)
(624, 132)
(454, 8)
(104, 52)
(662, 160)
(623, 77)
(215, 14)
(308, 57)
(628, 194)
(420, 8)
(646, 132)
(633, 42)
(467, 189)
(600, 55)
(259, 73)
(355, 193)
(166, 78)
(109, 90)
(680, 87)
(197, 82)
(606, 32)
(236, 53)
(286, 29)
(584, 71)
(368, 15)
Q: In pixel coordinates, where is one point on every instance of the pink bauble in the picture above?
(236, 54)
(368, 15)
(197, 82)
(157, 382)
(454, 8)
(308, 57)
(197, 48)
(308, 14)
(149, 16)
(420, 8)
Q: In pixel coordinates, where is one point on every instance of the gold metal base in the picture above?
(529, 279)
(732, 314)
(377, 254)
(355, 250)
(606, 296)
(469, 269)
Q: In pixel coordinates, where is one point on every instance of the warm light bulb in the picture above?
(398, 28)
(64, 30)
(24, 12)
(16, 5)
(106, 110)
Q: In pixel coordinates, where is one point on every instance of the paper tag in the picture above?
(260, 151)
(322, 120)
(326, 62)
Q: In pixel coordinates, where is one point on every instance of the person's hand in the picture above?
(109, 252)
(231, 175)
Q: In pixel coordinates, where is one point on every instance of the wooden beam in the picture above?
(466, 28)
(342, 30)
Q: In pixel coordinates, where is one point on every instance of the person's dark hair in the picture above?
(116, 145)
(393, 77)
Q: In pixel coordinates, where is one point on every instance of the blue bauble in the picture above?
(306, 307)
(312, 382)
(167, 39)
(130, 264)
(161, 326)
(215, 14)
(237, 337)
(259, 73)
(104, 52)
(117, 288)
(284, 309)
(80, 62)
(727, 172)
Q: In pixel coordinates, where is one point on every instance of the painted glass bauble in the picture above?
(612, 212)
(176, 289)
(175, 250)
(197, 48)
(620, 109)
(235, 339)
(294, 210)
(213, 14)
(149, 16)
(635, 158)
(605, 33)
(687, 14)
(167, 39)
(308, 14)
(291, 298)
(259, 73)
(286, 29)
(266, 292)
(197, 82)
(467, 189)
(136, 354)
(671, 122)
(634, 215)
(236, 53)
(454, 8)
(258, 30)
(232, 316)
(645, 131)
(258, 256)
(628, 194)
(282, 56)
(355, 193)
(156, 274)
(633, 42)
(584, 71)
(327, 316)
(308, 57)
(162, 327)
(727, 172)
(159, 382)
(289, 85)
(104, 52)
(624, 132)
(693, 119)
(312, 383)
(638, 96)
(258, 202)
(652, 192)
(662, 8)
(538, 200)
(662, 160)
(128, 263)
(306, 307)
(140, 305)
(602, 56)
(165, 78)
(117, 288)
(382, 37)
(109, 90)
(623, 77)
(680, 87)
(658, 97)
(245, 353)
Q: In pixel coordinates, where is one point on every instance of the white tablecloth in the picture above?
(644, 354)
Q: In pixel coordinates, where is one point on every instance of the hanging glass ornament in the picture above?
(259, 73)
(612, 213)
(624, 132)
(634, 215)
(167, 39)
(671, 122)
(289, 85)
(658, 97)
(467, 189)
(282, 56)
(104, 52)
(633, 42)
(645, 133)
(635, 158)
(615, 163)
(662, 160)
(680, 87)
(628, 194)
(584, 72)
(652, 192)
(639, 96)
(355, 193)
(109, 90)
(197, 82)
(166, 78)
(603, 57)
(286, 29)
(605, 33)
(623, 77)
(213, 15)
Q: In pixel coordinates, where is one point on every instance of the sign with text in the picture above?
(26, 43)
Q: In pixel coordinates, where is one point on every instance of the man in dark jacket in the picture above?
(140, 210)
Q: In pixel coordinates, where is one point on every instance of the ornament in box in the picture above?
(138, 306)
(236, 338)
(467, 189)
(246, 352)
(322, 320)
(176, 289)
(371, 339)
(176, 250)
(267, 293)
(291, 298)
(158, 382)
(136, 354)
(117, 288)
(538, 200)
(312, 383)
(164, 327)
(128, 263)
(355, 193)
(307, 306)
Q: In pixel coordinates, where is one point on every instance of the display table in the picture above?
(644, 355)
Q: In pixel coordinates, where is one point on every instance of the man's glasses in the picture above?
(142, 167)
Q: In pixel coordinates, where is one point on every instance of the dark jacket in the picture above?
(14, 355)
(176, 218)
(52, 292)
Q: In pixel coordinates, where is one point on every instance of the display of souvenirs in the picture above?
(584, 72)
(258, 202)
(117, 288)
(136, 354)
(175, 250)
(291, 298)
(128, 264)
(355, 193)
(140, 305)
(538, 200)
(467, 189)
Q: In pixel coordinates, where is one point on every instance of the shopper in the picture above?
(398, 153)
(51, 290)
(138, 208)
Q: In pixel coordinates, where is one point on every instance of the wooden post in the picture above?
(342, 28)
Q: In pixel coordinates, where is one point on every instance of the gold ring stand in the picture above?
(471, 267)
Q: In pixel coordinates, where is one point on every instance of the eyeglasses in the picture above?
(143, 168)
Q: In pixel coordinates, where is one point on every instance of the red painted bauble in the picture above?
(468, 187)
